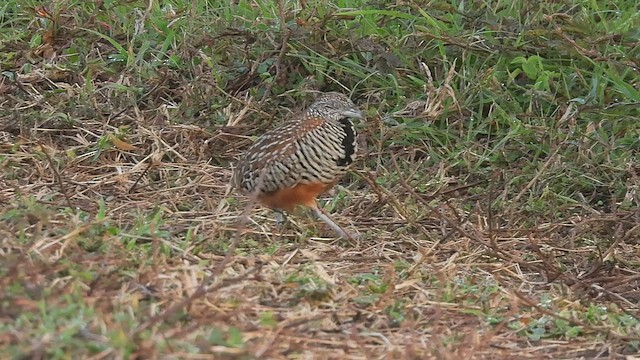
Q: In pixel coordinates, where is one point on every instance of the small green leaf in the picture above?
(532, 67)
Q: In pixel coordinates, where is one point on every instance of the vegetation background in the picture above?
(497, 193)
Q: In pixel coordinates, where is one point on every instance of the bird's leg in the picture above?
(322, 215)
(281, 217)
(281, 220)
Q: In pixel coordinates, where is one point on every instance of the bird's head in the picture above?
(335, 106)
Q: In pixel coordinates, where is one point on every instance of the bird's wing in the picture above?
(306, 150)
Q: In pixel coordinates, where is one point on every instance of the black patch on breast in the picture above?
(348, 143)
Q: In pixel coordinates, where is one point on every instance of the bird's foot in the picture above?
(353, 238)
(281, 217)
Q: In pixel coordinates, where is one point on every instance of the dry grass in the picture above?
(120, 236)
(445, 272)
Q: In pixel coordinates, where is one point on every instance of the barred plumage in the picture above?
(292, 164)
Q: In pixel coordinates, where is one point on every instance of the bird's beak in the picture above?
(353, 113)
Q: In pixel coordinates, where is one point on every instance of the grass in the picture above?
(497, 191)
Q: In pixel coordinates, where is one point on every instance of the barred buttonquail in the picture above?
(294, 163)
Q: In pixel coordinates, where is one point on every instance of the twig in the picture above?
(58, 178)
(492, 247)
(395, 203)
(452, 223)
(140, 177)
(497, 252)
(203, 288)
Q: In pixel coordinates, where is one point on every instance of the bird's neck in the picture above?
(349, 144)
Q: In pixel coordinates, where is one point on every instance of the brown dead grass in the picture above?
(180, 290)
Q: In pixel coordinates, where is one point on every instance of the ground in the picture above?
(497, 190)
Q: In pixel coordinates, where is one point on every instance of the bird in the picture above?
(294, 163)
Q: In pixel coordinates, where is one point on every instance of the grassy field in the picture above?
(497, 192)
